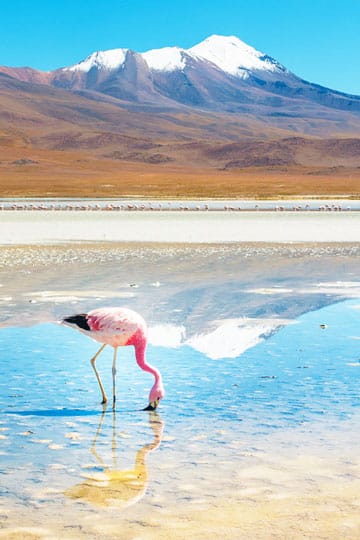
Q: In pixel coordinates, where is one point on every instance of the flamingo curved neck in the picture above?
(140, 348)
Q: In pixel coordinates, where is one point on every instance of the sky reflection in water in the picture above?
(299, 373)
(46, 372)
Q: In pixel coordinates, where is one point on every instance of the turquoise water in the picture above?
(299, 375)
(300, 370)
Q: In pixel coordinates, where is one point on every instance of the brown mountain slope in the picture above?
(54, 142)
(40, 110)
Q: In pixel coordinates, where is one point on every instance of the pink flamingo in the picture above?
(117, 326)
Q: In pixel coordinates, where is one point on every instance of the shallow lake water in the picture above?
(258, 434)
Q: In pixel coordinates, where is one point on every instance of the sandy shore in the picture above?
(200, 227)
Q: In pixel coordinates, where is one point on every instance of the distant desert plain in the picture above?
(35, 172)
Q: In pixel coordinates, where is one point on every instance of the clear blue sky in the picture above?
(318, 40)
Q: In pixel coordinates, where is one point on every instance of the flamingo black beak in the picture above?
(152, 405)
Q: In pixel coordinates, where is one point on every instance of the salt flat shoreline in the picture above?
(304, 204)
(48, 227)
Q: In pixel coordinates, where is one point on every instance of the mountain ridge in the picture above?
(220, 73)
(182, 120)
(228, 53)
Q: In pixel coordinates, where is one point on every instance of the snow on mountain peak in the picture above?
(233, 56)
(228, 53)
(165, 59)
(111, 59)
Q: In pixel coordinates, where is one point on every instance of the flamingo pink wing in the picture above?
(115, 325)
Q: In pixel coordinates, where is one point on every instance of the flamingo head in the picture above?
(156, 393)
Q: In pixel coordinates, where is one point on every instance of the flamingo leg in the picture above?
(92, 361)
(98, 431)
(114, 377)
(113, 442)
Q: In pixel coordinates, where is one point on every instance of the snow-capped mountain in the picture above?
(233, 56)
(219, 105)
(166, 59)
(109, 60)
(229, 54)
(221, 74)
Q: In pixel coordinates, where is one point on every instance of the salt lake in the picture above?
(258, 346)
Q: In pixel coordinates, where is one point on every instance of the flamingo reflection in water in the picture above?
(114, 486)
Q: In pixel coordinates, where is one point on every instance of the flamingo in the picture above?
(118, 326)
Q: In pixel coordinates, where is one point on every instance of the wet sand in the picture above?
(289, 486)
(29, 227)
(260, 445)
